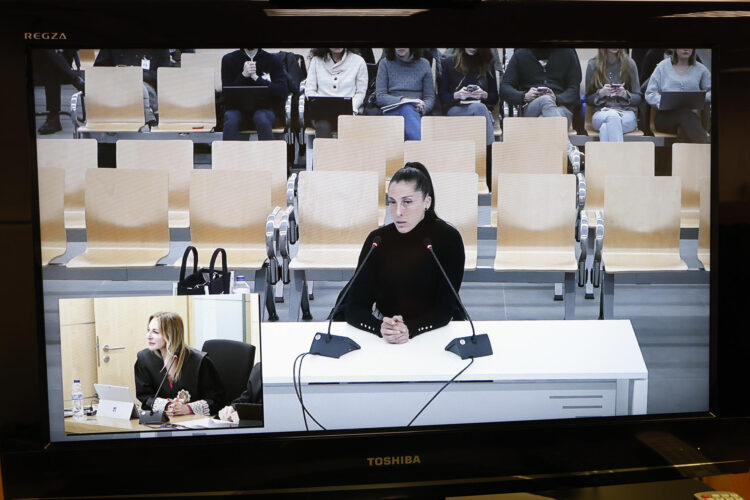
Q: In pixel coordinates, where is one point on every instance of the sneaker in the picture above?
(51, 125)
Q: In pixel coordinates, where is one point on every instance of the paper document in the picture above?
(207, 423)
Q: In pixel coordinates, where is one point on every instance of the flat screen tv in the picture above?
(614, 363)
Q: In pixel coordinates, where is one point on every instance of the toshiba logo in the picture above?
(44, 36)
(404, 460)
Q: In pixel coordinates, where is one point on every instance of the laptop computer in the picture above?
(327, 108)
(110, 395)
(246, 98)
(675, 99)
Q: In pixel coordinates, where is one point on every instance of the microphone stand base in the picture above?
(473, 346)
(332, 346)
(152, 418)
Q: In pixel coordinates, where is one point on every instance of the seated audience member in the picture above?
(401, 292)
(255, 68)
(680, 72)
(336, 73)
(253, 394)
(150, 60)
(545, 82)
(404, 87)
(192, 385)
(468, 86)
(612, 88)
(52, 69)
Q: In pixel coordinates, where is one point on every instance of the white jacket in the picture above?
(346, 78)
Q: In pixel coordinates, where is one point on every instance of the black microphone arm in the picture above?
(475, 346)
(335, 346)
(153, 417)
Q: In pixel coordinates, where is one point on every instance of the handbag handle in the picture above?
(223, 261)
(188, 250)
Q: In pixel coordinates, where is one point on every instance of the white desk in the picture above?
(539, 370)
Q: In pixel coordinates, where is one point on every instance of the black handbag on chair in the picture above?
(200, 280)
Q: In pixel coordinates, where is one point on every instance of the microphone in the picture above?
(475, 346)
(156, 417)
(335, 346)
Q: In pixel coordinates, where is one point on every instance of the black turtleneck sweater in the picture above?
(402, 278)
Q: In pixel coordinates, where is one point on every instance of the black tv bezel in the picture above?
(719, 435)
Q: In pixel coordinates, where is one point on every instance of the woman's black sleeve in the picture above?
(144, 385)
(450, 252)
(360, 298)
(210, 386)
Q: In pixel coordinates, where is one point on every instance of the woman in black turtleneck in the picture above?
(401, 292)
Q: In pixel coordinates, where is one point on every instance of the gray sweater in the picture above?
(397, 79)
(613, 76)
(665, 77)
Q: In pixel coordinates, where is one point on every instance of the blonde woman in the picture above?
(612, 88)
(192, 385)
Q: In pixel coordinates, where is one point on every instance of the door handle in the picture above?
(107, 348)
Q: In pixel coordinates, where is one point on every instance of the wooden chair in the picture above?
(337, 210)
(172, 156)
(589, 126)
(228, 209)
(604, 159)
(456, 197)
(389, 129)
(539, 132)
(461, 128)
(206, 58)
(704, 229)
(641, 232)
(75, 156)
(444, 156)
(52, 213)
(692, 164)
(536, 231)
(357, 155)
(187, 102)
(255, 156)
(126, 218)
(113, 100)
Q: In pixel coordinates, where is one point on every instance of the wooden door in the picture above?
(78, 347)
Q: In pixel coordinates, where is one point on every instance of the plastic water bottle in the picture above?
(77, 394)
(240, 285)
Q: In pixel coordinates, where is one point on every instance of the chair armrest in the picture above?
(272, 271)
(77, 101)
(583, 231)
(580, 202)
(596, 270)
(574, 158)
(285, 239)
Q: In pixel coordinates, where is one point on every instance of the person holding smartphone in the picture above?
(612, 89)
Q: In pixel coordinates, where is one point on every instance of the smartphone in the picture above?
(472, 88)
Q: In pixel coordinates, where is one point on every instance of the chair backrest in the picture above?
(254, 156)
(642, 213)
(537, 132)
(51, 212)
(389, 129)
(172, 156)
(442, 156)
(357, 155)
(228, 208)
(206, 58)
(462, 128)
(456, 203)
(186, 95)
(604, 159)
(704, 227)
(127, 208)
(114, 95)
(75, 156)
(536, 211)
(337, 208)
(692, 164)
(256, 383)
(233, 360)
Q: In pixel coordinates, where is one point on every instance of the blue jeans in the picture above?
(475, 109)
(547, 106)
(412, 121)
(612, 124)
(235, 120)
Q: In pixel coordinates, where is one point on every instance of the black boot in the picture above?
(52, 125)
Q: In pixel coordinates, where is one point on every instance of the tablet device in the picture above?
(328, 108)
(246, 98)
(251, 414)
(675, 99)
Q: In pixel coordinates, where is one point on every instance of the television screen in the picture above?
(286, 246)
